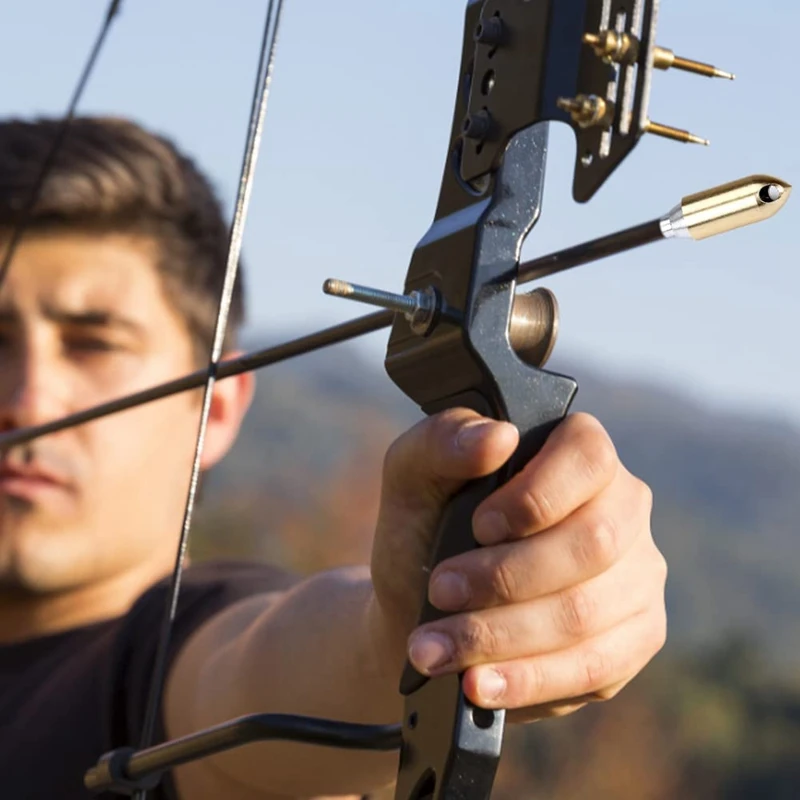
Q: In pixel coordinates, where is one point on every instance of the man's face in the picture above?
(84, 319)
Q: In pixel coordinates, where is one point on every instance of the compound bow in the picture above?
(461, 334)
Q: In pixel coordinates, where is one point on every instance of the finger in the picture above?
(577, 461)
(548, 624)
(590, 541)
(521, 716)
(588, 668)
(428, 463)
(422, 470)
(562, 708)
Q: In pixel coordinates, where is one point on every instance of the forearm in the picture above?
(312, 652)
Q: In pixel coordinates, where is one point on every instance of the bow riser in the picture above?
(518, 59)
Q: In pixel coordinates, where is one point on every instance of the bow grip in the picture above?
(454, 534)
(451, 748)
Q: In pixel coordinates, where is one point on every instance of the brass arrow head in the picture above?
(727, 207)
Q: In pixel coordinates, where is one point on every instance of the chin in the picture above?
(40, 561)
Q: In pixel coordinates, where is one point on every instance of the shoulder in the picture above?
(213, 586)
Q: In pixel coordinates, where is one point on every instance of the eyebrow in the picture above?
(89, 318)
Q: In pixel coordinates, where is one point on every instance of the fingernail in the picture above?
(429, 651)
(472, 433)
(491, 528)
(491, 685)
(449, 591)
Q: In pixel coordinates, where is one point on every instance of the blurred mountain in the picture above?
(726, 486)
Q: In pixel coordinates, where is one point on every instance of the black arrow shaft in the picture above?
(226, 369)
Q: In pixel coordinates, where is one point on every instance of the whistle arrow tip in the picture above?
(726, 208)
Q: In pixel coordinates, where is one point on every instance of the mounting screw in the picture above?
(588, 110)
(477, 126)
(491, 31)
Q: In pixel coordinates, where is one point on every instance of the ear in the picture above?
(229, 403)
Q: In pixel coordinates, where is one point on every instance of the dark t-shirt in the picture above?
(68, 698)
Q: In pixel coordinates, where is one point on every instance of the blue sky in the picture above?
(355, 137)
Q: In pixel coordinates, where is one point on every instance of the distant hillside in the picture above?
(727, 486)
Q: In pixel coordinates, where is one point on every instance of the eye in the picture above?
(90, 344)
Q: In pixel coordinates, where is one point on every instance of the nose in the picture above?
(29, 385)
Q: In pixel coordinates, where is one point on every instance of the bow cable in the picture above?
(252, 147)
(50, 158)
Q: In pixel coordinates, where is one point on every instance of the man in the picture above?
(113, 289)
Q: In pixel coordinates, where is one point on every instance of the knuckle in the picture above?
(596, 671)
(644, 495)
(504, 582)
(425, 439)
(594, 445)
(418, 465)
(662, 570)
(445, 426)
(577, 612)
(599, 545)
(538, 506)
(434, 431)
(533, 683)
(657, 568)
(391, 456)
(600, 454)
(658, 632)
(608, 693)
(579, 422)
(407, 448)
(474, 637)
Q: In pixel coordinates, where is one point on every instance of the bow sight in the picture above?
(465, 338)
(588, 63)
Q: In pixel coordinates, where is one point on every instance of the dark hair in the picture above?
(111, 175)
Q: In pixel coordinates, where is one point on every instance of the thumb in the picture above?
(422, 470)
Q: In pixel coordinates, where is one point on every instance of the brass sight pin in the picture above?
(676, 134)
(666, 59)
(623, 48)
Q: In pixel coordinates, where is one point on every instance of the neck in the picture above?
(27, 615)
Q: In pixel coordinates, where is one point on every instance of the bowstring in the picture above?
(252, 147)
(48, 162)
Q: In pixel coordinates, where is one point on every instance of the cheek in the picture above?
(146, 452)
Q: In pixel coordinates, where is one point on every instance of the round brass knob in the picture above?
(534, 326)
